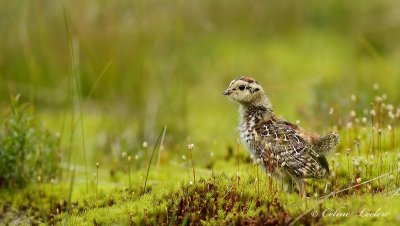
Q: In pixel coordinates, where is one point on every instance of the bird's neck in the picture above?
(262, 106)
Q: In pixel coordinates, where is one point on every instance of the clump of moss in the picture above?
(28, 151)
(214, 200)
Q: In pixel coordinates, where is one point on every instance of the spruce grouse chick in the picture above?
(283, 148)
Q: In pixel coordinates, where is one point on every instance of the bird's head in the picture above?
(246, 91)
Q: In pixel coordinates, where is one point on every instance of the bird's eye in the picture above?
(242, 87)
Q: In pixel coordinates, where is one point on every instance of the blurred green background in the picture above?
(141, 64)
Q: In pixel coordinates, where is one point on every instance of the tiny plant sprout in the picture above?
(190, 148)
(97, 177)
(347, 156)
(129, 171)
(212, 163)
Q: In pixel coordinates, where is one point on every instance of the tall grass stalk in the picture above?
(75, 75)
(151, 158)
(160, 148)
(71, 188)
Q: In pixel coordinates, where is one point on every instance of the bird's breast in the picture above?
(249, 135)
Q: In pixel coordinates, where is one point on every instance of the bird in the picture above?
(281, 147)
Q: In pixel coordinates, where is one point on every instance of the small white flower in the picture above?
(390, 107)
(364, 119)
(331, 111)
(371, 158)
(398, 113)
(372, 112)
(145, 144)
(190, 147)
(391, 115)
(355, 162)
(183, 157)
(353, 113)
(358, 180)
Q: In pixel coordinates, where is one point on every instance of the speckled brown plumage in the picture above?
(282, 147)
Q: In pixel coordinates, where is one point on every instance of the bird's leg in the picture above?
(301, 185)
(288, 184)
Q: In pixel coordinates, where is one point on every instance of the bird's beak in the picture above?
(227, 92)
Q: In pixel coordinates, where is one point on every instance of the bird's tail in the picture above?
(326, 143)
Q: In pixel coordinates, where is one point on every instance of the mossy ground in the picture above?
(218, 196)
(106, 76)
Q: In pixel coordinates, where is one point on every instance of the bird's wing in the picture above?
(284, 147)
